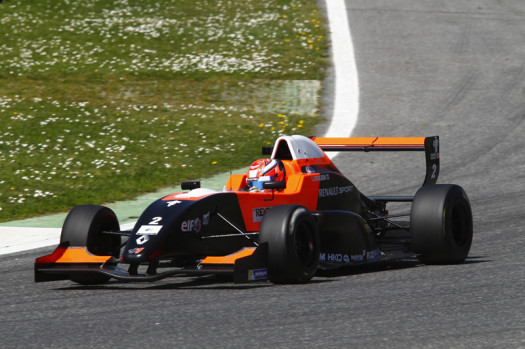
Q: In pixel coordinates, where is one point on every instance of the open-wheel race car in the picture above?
(289, 216)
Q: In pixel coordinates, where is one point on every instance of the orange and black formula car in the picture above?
(288, 216)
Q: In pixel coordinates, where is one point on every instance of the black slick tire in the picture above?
(84, 227)
(441, 224)
(293, 244)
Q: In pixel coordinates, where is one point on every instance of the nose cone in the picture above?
(133, 255)
(143, 243)
(155, 229)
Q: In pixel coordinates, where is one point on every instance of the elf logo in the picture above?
(191, 225)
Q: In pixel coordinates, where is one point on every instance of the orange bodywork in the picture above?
(300, 187)
(76, 254)
(229, 259)
(371, 142)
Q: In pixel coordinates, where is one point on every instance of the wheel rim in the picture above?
(305, 245)
(104, 244)
(460, 224)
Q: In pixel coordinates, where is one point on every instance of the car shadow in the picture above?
(215, 282)
(185, 282)
(368, 268)
(385, 266)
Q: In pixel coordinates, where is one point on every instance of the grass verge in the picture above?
(101, 100)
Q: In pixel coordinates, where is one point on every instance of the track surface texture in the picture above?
(449, 68)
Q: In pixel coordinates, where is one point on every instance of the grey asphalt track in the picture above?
(453, 68)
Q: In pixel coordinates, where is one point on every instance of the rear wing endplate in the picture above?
(430, 145)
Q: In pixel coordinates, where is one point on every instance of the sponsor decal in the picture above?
(334, 191)
(191, 225)
(436, 145)
(373, 254)
(334, 257)
(323, 177)
(309, 169)
(149, 229)
(135, 250)
(339, 258)
(435, 154)
(258, 274)
(206, 218)
(172, 203)
(358, 257)
(258, 213)
(324, 192)
(344, 190)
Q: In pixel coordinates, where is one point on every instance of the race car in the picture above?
(289, 216)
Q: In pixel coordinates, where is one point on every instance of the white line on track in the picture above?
(346, 88)
(16, 239)
(343, 120)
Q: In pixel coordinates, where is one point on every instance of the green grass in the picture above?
(101, 100)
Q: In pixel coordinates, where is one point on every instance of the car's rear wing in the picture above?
(430, 145)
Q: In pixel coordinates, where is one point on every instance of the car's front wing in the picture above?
(245, 265)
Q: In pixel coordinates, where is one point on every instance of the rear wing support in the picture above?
(430, 145)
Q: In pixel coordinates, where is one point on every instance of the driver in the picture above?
(265, 170)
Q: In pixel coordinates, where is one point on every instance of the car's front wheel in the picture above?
(293, 244)
(84, 227)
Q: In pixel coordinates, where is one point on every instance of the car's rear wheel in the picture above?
(441, 224)
(84, 227)
(293, 244)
